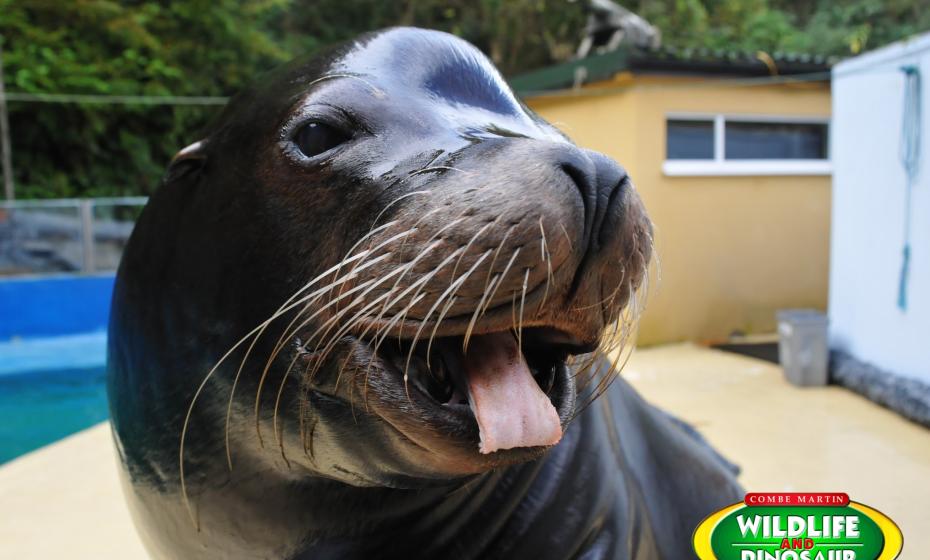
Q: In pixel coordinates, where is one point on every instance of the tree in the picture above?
(147, 47)
(101, 47)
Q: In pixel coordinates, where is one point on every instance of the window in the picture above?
(690, 139)
(769, 140)
(739, 145)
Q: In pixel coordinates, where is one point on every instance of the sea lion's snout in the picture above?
(493, 269)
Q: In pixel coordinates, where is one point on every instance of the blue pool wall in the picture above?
(51, 306)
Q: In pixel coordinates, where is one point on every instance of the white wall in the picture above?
(868, 213)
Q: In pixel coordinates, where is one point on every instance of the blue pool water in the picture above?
(41, 407)
(50, 388)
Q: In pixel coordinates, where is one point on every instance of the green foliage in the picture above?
(148, 47)
(826, 27)
(102, 47)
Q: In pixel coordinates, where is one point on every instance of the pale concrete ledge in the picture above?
(64, 501)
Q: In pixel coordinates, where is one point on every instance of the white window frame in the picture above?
(720, 166)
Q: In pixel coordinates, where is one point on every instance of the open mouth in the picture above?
(515, 388)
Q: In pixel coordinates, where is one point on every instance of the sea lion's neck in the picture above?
(466, 519)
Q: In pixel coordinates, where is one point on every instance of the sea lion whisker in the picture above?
(386, 242)
(285, 307)
(611, 375)
(255, 331)
(376, 91)
(308, 440)
(474, 316)
(500, 246)
(367, 284)
(360, 315)
(468, 246)
(419, 283)
(503, 275)
(379, 341)
(458, 252)
(431, 244)
(313, 297)
(604, 301)
(342, 367)
(450, 292)
(405, 269)
(279, 344)
(349, 257)
(351, 324)
(439, 168)
(513, 311)
(310, 299)
(547, 258)
(487, 286)
(420, 220)
(526, 277)
(367, 287)
(568, 238)
(442, 315)
(387, 207)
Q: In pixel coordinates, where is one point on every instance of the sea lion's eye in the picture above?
(316, 138)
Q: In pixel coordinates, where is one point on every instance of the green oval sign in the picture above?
(769, 530)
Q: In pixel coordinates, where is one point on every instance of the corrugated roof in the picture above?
(668, 60)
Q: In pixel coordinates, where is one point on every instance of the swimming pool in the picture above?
(53, 345)
(40, 407)
(50, 387)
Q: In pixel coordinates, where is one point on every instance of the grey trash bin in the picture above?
(802, 346)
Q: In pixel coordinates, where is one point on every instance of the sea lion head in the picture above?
(377, 268)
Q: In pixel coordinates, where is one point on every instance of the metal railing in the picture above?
(83, 236)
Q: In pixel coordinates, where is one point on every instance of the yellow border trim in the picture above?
(701, 538)
(894, 540)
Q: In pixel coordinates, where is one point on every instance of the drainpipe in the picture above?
(910, 160)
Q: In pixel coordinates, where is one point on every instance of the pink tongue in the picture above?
(511, 409)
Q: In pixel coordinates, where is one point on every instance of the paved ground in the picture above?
(791, 439)
(64, 501)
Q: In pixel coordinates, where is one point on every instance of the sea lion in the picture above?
(371, 315)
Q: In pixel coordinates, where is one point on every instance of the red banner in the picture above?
(796, 499)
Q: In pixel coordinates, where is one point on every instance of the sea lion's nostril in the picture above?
(601, 182)
(585, 182)
(611, 181)
(581, 179)
(613, 211)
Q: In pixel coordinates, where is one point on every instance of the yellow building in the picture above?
(730, 154)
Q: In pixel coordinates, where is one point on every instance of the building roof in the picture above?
(668, 60)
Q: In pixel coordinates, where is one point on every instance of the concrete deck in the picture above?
(64, 500)
(824, 439)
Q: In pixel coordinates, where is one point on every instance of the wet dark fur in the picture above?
(451, 211)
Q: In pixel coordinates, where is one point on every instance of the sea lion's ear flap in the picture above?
(188, 160)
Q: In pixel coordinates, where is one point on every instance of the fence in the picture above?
(65, 235)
